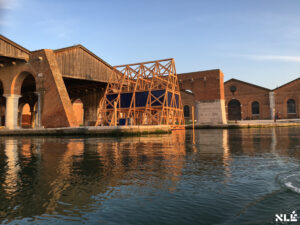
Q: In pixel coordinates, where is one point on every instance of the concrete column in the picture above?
(272, 104)
(11, 112)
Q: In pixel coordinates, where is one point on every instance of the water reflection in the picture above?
(44, 178)
(51, 176)
(10, 184)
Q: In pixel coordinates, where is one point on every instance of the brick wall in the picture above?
(188, 99)
(208, 89)
(283, 93)
(246, 94)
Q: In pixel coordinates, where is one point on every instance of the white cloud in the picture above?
(8, 4)
(285, 58)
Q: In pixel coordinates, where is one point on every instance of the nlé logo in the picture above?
(286, 217)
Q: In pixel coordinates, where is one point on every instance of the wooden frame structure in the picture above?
(144, 94)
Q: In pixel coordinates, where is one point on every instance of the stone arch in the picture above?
(25, 86)
(234, 110)
(18, 81)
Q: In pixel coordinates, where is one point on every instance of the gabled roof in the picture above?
(14, 44)
(84, 49)
(11, 50)
(254, 85)
(286, 84)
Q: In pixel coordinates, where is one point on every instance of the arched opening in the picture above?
(79, 111)
(234, 110)
(27, 101)
(255, 109)
(2, 105)
(186, 111)
(291, 108)
(26, 116)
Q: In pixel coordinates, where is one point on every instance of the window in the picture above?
(291, 106)
(186, 111)
(255, 108)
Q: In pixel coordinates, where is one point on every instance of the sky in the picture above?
(256, 41)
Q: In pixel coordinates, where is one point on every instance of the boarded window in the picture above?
(255, 108)
(291, 106)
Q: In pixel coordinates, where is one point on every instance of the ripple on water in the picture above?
(290, 180)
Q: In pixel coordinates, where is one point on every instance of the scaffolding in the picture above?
(142, 94)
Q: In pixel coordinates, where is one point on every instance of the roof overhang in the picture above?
(11, 51)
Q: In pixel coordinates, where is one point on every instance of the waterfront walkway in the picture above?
(249, 124)
(97, 131)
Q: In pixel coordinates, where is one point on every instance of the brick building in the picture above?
(243, 101)
(63, 87)
(248, 101)
(207, 88)
(49, 82)
(287, 99)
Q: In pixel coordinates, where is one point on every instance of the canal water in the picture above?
(238, 176)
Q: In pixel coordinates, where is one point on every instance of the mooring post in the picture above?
(193, 119)
(115, 113)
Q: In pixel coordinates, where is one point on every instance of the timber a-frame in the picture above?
(144, 94)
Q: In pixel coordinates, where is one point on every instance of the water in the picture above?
(242, 176)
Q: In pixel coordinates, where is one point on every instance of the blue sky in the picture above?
(257, 41)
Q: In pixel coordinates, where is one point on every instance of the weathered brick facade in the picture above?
(289, 91)
(208, 91)
(247, 94)
(39, 79)
(284, 101)
(188, 100)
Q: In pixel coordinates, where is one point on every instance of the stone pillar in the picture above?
(272, 104)
(11, 114)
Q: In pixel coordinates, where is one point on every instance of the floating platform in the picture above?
(89, 131)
